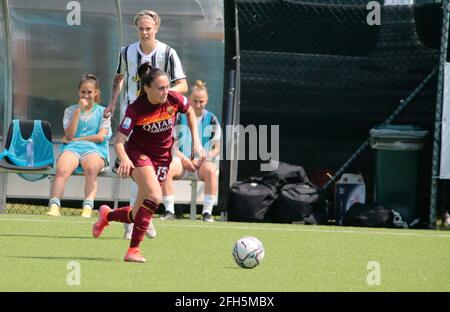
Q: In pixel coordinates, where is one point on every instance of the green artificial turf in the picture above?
(43, 253)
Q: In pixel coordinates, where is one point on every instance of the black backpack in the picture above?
(295, 202)
(251, 200)
(286, 174)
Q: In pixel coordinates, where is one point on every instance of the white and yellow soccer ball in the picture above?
(248, 252)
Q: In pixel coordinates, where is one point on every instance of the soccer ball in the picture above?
(248, 252)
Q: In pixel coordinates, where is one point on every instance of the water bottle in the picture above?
(30, 153)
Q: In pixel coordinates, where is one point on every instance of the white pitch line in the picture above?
(258, 228)
(313, 230)
(49, 221)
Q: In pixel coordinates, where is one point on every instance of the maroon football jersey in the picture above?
(152, 125)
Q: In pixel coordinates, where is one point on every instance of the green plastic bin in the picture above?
(397, 167)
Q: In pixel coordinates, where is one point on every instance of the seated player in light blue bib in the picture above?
(85, 145)
(205, 170)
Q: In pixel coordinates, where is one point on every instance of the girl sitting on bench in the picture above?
(85, 144)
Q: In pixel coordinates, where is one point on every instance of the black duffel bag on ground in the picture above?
(286, 174)
(372, 215)
(296, 202)
(251, 200)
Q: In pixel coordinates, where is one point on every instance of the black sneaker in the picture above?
(207, 217)
(167, 216)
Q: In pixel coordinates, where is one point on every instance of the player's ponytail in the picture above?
(147, 73)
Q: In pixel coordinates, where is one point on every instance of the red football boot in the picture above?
(134, 255)
(102, 221)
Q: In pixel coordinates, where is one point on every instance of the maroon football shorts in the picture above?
(141, 160)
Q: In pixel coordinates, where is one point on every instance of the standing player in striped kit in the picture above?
(158, 55)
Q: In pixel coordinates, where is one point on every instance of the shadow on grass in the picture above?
(54, 236)
(233, 267)
(66, 258)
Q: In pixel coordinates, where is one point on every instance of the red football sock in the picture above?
(123, 215)
(141, 222)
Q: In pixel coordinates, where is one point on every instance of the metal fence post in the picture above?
(438, 116)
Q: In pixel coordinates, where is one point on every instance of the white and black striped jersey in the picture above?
(131, 57)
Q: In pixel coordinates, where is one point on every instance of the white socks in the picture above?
(54, 200)
(208, 203)
(169, 203)
(88, 202)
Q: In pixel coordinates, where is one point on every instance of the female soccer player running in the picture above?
(146, 155)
